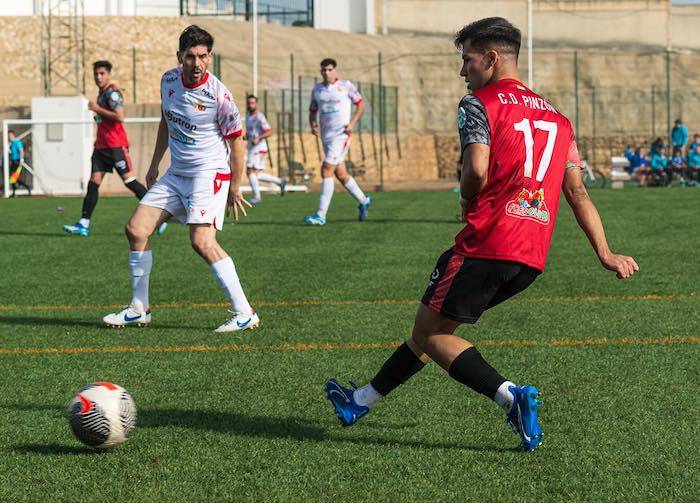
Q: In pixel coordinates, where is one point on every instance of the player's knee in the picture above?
(202, 245)
(134, 231)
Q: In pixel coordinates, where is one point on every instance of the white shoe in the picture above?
(255, 200)
(239, 321)
(128, 316)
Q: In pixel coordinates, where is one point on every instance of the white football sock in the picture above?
(264, 177)
(85, 222)
(327, 185)
(503, 397)
(355, 190)
(140, 263)
(225, 273)
(254, 185)
(366, 396)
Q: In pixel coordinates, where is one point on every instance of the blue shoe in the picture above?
(344, 404)
(315, 219)
(77, 229)
(364, 208)
(161, 229)
(523, 416)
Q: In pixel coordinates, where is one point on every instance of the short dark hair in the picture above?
(491, 33)
(103, 63)
(251, 96)
(192, 36)
(328, 61)
(12, 131)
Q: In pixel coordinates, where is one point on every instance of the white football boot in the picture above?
(239, 321)
(128, 316)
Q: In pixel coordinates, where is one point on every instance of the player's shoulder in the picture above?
(171, 75)
(317, 87)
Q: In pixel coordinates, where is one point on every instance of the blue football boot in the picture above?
(364, 209)
(523, 416)
(78, 229)
(314, 219)
(344, 404)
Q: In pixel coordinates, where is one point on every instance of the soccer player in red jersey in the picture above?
(518, 153)
(111, 146)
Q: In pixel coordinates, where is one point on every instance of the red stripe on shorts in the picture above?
(219, 180)
(453, 266)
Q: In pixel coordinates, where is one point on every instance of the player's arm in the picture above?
(475, 170)
(21, 154)
(116, 115)
(359, 109)
(237, 164)
(475, 141)
(158, 151)
(313, 114)
(589, 220)
(266, 134)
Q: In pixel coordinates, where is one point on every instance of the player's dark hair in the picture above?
(12, 131)
(491, 33)
(193, 35)
(103, 63)
(328, 61)
(251, 96)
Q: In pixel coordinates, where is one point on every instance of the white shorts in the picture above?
(334, 149)
(256, 156)
(191, 200)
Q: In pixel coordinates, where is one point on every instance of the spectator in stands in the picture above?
(629, 153)
(679, 135)
(16, 162)
(657, 145)
(659, 167)
(694, 163)
(678, 166)
(641, 169)
(696, 141)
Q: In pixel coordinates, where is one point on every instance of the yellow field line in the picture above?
(328, 346)
(377, 302)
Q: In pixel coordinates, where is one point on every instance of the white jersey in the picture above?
(200, 117)
(333, 102)
(255, 125)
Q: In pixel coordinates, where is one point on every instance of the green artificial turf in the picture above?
(243, 417)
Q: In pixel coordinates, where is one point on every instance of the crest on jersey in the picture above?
(529, 206)
(461, 117)
(200, 106)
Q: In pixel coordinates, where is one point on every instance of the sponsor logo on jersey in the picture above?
(182, 138)
(208, 94)
(171, 92)
(171, 78)
(180, 120)
(529, 206)
(227, 96)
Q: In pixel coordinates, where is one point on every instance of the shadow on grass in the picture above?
(53, 450)
(294, 428)
(58, 234)
(98, 323)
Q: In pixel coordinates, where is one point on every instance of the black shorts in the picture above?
(106, 160)
(462, 288)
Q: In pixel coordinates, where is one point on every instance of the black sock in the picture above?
(90, 200)
(136, 188)
(472, 370)
(398, 369)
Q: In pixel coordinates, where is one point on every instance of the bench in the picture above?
(619, 174)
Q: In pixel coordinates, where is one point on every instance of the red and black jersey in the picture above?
(531, 143)
(110, 134)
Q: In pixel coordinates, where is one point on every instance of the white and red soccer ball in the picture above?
(102, 415)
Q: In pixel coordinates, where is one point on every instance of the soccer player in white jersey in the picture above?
(201, 125)
(331, 104)
(257, 131)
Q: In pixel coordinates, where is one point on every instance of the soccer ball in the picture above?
(102, 415)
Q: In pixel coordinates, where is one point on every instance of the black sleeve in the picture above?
(115, 99)
(472, 122)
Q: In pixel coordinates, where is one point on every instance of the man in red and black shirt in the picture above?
(518, 153)
(111, 145)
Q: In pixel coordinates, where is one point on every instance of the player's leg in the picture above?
(252, 173)
(265, 177)
(100, 165)
(354, 190)
(324, 200)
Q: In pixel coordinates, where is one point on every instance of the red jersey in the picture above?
(532, 144)
(110, 134)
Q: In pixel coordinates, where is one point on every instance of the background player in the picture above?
(16, 162)
(201, 125)
(332, 100)
(111, 146)
(257, 131)
(518, 153)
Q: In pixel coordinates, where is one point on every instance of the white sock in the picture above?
(324, 201)
(85, 222)
(503, 397)
(225, 273)
(140, 263)
(264, 177)
(366, 396)
(355, 190)
(253, 179)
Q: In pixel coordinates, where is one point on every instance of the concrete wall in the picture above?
(352, 16)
